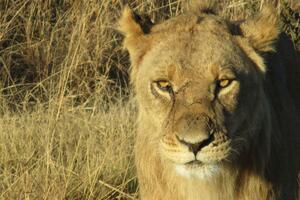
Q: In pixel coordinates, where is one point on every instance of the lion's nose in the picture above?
(196, 147)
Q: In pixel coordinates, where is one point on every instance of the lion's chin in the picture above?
(197, 170)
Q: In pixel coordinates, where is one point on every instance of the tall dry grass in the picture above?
(78, 155)
(66, 116)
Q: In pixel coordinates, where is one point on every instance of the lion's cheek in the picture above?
(170, 149)
(152, 110)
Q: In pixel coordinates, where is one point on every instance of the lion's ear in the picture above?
(135, 28)
(262, 30)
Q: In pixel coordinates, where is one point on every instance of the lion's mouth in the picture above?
(194, 163)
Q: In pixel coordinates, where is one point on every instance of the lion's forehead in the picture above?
(192, 53)
(189, 22)
(202, 44)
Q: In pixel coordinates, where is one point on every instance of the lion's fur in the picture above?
(255, 149)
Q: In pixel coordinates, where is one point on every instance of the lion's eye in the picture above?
(164, 86)
(224, 83)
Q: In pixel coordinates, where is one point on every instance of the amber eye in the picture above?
(164, 86)
(224, 83)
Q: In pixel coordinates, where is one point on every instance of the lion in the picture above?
(218, 111)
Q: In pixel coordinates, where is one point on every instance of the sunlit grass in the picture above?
(78, 155)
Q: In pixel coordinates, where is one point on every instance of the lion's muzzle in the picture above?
(194, 131)
(196, 147)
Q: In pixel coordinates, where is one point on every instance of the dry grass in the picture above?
(77, 155)
(66, 119)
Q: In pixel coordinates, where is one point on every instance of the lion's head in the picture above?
(199, 83)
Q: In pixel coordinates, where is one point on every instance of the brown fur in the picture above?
(246, 133)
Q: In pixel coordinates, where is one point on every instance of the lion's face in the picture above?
(195, 94)
(198, 86)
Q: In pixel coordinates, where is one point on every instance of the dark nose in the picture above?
(196, 147)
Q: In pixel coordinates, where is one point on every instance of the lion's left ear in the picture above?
(263, 30)
(135, 28)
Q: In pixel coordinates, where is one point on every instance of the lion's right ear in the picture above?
(135, 29)
(262, 30)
